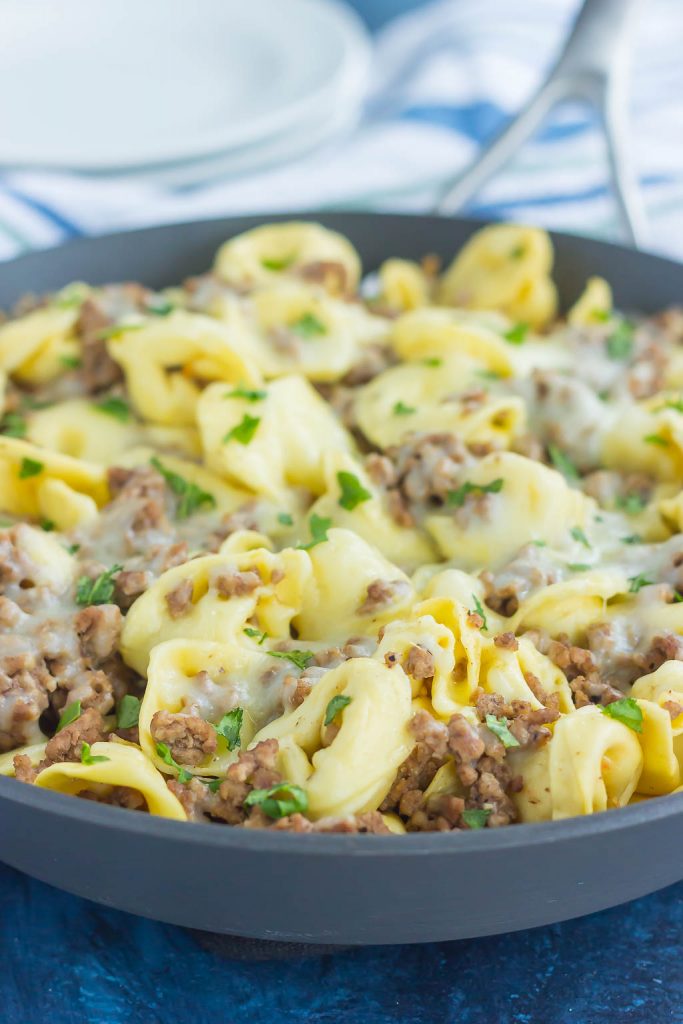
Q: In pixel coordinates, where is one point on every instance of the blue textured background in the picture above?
(67, 961)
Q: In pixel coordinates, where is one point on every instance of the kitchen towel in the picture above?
(444, 78)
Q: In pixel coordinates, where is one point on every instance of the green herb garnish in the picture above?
(278, 801)
(631, 504)
(432, 361)
(671, 403)
(479, 610)
(620, 342)
(255, 634)
(517, 334)
(48, 525)
(633, 538)
(299, 658)
(114, 406)
(116, 329)
(563, 463)
(457, 498)
(29, 467)
(308, 326)
(192, 497)
(636, 583)
(499, 726)
(285, 519)
(72, 295)
(164, 752)
(476, 818)
(244, 431)
(318, 526)
(577, 566)
(401, 409)
(13, 425)
(72, 548)
(128, 712)
(71, 362)
(88, 758)
(70, 713)
(600, 316)
(656, 439)
(352, 491)
(627, 711)
(337, 704)
(578, 535)
(97, 591)
(489, 374)
(278, 263)
(248, 394)
(517, 252)
(230, 727)
(159, 305)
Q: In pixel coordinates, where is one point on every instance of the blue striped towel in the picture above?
(444, 78)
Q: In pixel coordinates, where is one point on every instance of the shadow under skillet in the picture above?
(70, 961)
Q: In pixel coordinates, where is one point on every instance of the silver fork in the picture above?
(593, 66)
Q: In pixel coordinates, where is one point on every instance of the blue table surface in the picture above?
(68, 961)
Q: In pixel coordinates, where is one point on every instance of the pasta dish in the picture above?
(288, 547)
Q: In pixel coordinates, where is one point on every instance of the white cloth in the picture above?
(444, 78)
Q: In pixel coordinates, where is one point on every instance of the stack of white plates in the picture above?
(181, 90)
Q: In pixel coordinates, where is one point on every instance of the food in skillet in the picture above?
(283, 549)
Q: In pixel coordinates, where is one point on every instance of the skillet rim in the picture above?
(416, 844)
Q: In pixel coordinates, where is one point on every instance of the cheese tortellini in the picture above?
(286, 547)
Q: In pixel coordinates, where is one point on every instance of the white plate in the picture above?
(107, 84)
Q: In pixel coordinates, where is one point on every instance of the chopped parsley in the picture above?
(255, 634)
(671, 403)
(70, 713)
(278, 801)
(337, 704)
(352, 492)
(656, 439)
(29, 467)
(540, 543)
(476, 817)
(308, 326)
(128, 712)
(631, 504)
(479, 610)
(620, 341)
(627, 711)
(114, 406)
(99, 590)
(285, 519)
(115, 329)
(230, 727)
(517, 334)
(432, 361)
(13, 425)
(192, 497)
(244, 431)
(489, 374)
(499, 727)
(159, 305)
(457, 498)
(213, 784)
(578, 566)
(72, 295)
(278, 262)
(401, 409)
(248, 394)
(299, 658)
(318, 526)
(517, 253)
(48, 525)
(563, 463)
(636, 583)
(163, 751)
(578, 535)
(72, 548)
(88, 758)
(71, 362)
(600, 316)
(633, 538)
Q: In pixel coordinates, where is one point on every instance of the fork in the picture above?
(593, 67)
